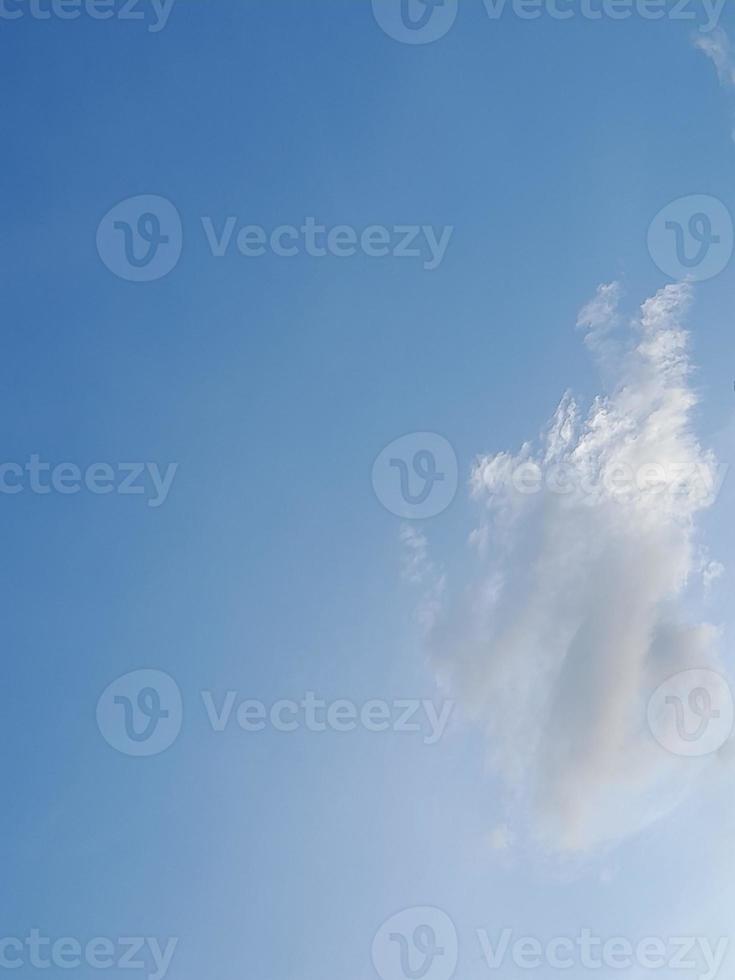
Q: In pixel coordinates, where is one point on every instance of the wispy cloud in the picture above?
(415, 566)
(418, 570)
(500, 838)
(716, 46)
(574, 607)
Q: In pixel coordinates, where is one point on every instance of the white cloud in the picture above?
(716, 46)
(574, 609)
(415, 559)
(417, 569)
(500, 838)
(711, 573)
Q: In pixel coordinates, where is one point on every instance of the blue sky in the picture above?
(273, 383)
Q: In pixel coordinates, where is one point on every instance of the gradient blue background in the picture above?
(274, 383)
